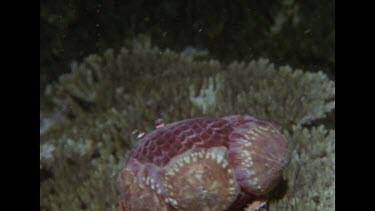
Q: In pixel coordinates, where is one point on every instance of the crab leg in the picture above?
(256, 205)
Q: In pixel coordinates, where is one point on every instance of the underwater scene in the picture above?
(187, 105)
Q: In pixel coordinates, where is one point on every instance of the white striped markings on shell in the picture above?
(244, 154)
(200, 180)
(135, 190)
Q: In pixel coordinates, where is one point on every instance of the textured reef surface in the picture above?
(86, 132)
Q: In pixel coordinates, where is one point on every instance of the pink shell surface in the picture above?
(254, 150)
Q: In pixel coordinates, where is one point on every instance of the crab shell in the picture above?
(203, 163)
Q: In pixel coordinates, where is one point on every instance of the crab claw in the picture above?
(121, 207)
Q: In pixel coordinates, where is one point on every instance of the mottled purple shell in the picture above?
(203, 163)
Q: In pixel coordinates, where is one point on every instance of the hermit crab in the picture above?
(207, 163)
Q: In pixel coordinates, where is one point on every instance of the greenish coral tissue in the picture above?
(86, 134)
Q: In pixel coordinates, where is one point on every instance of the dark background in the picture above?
(229, 30)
